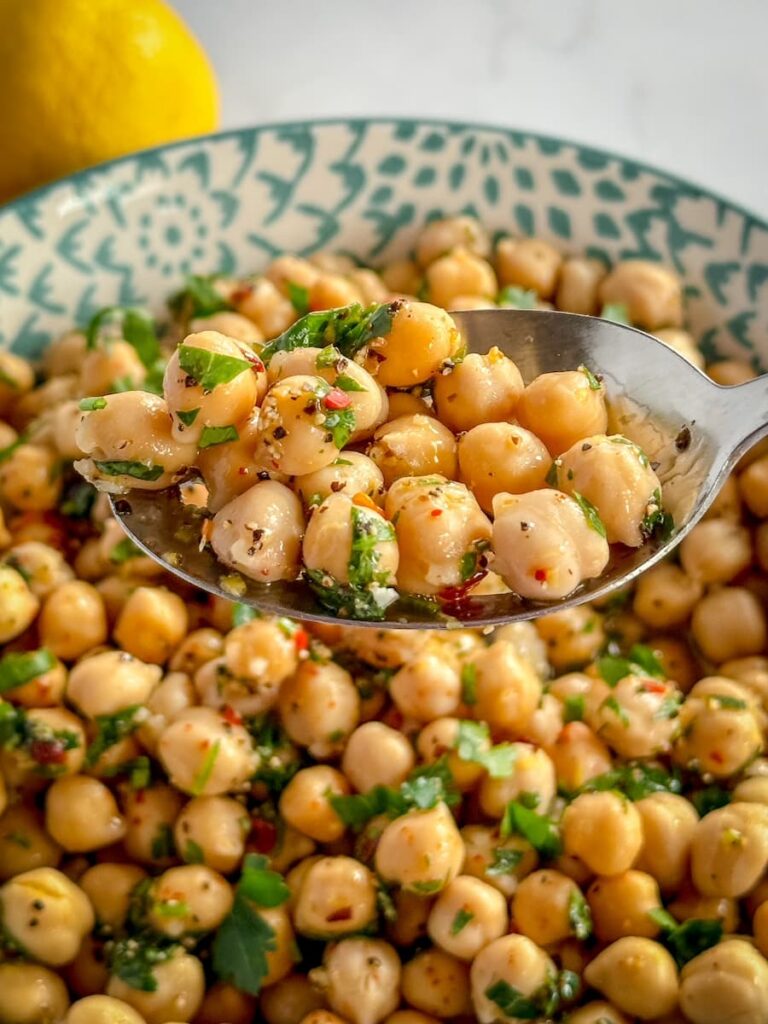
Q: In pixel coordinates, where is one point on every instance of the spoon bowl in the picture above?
(692, 430)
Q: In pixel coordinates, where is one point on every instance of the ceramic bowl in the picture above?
(128, 231)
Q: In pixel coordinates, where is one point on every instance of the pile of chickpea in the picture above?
(537, 823)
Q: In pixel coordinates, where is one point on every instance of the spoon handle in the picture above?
(743, 412)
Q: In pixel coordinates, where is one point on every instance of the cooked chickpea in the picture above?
(191, 898)
(719, 731)
(152, 623)
(288, 1001)
(55, 746)
(319, 707)
(546, 905)
(82, 815)
(110, 365)
(467, 915)
(727, 982)
(337, 896)
(562, 409)
(513, 959)
(16, 378)
(361, 979)
(177, 997)
(72, 620)
(544, 546)
(353, 473)
(413, 446)
(482, 388)
(420, 340)
(457, 274)
(30, 478)
(33, 995)
(196, 649)
(334, 533)
(18, 605)
(508, 690)
(383, 648)
(621, 905)
(47, 914)
(428, 686)
(683, 343)
(638, 975)
(98, 1009)
(442, 236)
(483, 850)
(729, 623)
(651, 294)
(533, 773)
(578, 755)
(259, 532)
(599, 1012)
(639, 718)
(376, 755)
(421, 850)
(305, 805)
(438, 739)
(130, 682)
(573, 636)
(437, 984)
(529, 263)
(604, 830)
(497, 458)
(715, 551)
(214, 828)
(728, 372)
(109, 888)
(206, 755)
(729, 850)
(669, 823)
(666, 595)
(166, 701)
(43, 567)
(24, 842)
(128, 443)
(578, 285)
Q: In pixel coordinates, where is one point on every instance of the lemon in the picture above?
(87, 80)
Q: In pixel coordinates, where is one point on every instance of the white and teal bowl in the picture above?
(128, 231)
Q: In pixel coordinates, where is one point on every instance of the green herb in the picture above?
(110, 729)
(123, 551)
(342, 462)
(669, 707)
(299, 297)
(424, 788)
(347, 383)
(579, 915)
(242, 613)
(428, 785)
(171, 908)
(613, 705)
(211, 436)
(472, 740)
(132, 325)
(687, 940)
(540, 1004)
(504, 861)
(78, 500)
(138, 470)
(520, 298)
(138, 770)
(18, 839)
(468, 565)
(163, 846)
(198, 298)
(573, 708)
(278, 758)
(193, 853)
(19, 731)
(7, 452)
(369, 529)
(262, 885)
(551, 477)
(728, 703)
(469, 684)
(123, 384)
(427, 888)
(92, 404)
(188, 417)
(349, 329)
(386, 904)
(709, 799)
(18, 668)
(461, 920)
(663, 919)
(327, 358)
(590, 513)
(350, 602)
(341, 425)
(593, 381)
(657, 522)
(356, 810)
(209, 369)
(540, 831)
(133, 959)
(205, 771)
(636, 779)
(641, 661)
(615, 311)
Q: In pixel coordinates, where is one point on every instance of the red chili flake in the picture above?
(461, 592)
(47, 751)
(540, 575)
(240, 294)
(342, 914)
(717, 757)
(301, 640)
(337, 399)
(653, 687)
(436, 512)
(256, 364)
(393, 718)
(263, 835)
(243, 470)
(230, 715)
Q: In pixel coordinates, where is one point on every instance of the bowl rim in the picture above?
(39, 192)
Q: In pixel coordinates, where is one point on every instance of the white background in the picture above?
(682, 84)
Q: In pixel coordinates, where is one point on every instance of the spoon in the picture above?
(692, 430)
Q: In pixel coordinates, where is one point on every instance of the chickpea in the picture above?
(459, 273)
(666, 596)
(545, 907)
(413, 446)
(683, 343)
(232, 325)
(439, 739)
(621, 905)
(437, 984)
(109, 888)
(196, 649)
(727, 982)
(337, 896)
(529, 263)
(639, 718)
(34, 404)
(562, 409)
(305, 805)
(150, 814)
(598, 1012)
(319, 707)
(533, 773)
(46, 914)
(651, 294)
(752, 791)
(728, 372)
(637, 975)
(322, 1017)
(403, 277)
(129, 443)
(578, 285)
(361, 979)
(191, 898)
(130, 682)
(54, 746)
(152, 622)
(753, 487)
(168, 699)
(578, 755)
(544, 545)
(259, 532)
(376, 755)
(16, 378)
(442, 236)
(412, 914)
(497, 458)
(689, 904)
(111, 363)
(525, 638)
(573, 636)
(82, 815)
(421, 850)
(419, 341)
(32, 994)
(729, 850)
(354, 473)
(289, 1001)
(508, 691)
(206, 755)
(215, 829)
(719, 730)
(669, 823)
(43, 567)
(18, 605)
(65, 354)
(482, 388)
(72, 620)
(729, 623)
(428, 686)
(333, 534)
(332, 290)
(715, 551)
(513, 959)
(467, 915)
(98, 1009)
(177, 997)
(383, 648)
(604, 830)
(30, 478)
(24, 842)
(485, 854)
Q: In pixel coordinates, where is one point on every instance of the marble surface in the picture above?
(682, 84)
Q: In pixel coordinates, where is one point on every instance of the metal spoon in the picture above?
(692, 429)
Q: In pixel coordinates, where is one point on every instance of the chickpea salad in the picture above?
(212, 817)
(364, 451)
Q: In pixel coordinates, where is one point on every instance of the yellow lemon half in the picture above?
(87, 80)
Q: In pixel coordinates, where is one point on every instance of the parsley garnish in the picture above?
(78, 500)
(92, 404)
(590, 514)
(162, 844)
(132, 325)
(424, 788)
(298, 296)
(540, 831)
(573, 708)
(349, 329)
(110, 729)
(278, 758)
(551, 477)
(138, 470)
(504, 861)
(427, 888)
(188, 417)
(612, 704)
(472, 744)
(615, 311)
(132, 959)
(709, 799)
(123, 551)
(369, 529)
(211, 436)
(350, 602)
(520, 298)
(209, 369)
(636, 779)
(347, 383)
(461, 920)
(657, 522)
(468, 565)
(327, 358)
(198, 298)
(689, 939)
(18, 668)
(641, 661)
(542, 1003)
(721, 700)
(242, 613)
(593, 381)
(138, 770)
(193, 853)
(262, 885)
(205, 771)
(579, 915)
(469, 684)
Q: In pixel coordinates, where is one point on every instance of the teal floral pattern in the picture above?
(128, 231)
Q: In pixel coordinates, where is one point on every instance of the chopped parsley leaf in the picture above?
(469, 684)
(209, 369)
(504, 861)
(129, 324)
(188, 417)
(579, 915)
(461, 920)
(18, 668)
(591, 514)
(110, 729)
(137, 470)
(540, 831)
(298, 296)
(473, 744)
(348, 328)
(211, 436)
(92, 404)
(520, 298)
(205, 771)
(574, 708)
